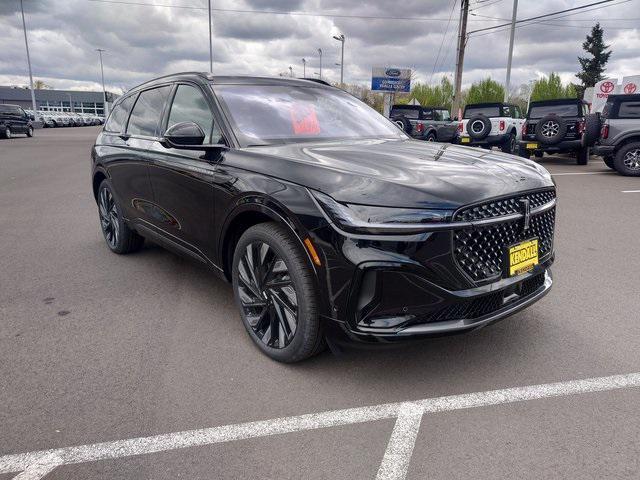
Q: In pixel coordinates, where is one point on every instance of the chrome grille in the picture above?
(480, 251)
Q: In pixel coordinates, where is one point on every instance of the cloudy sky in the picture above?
(144, 41)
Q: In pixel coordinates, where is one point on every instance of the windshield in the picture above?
(268, 114)
(486, 111)
(562, 110)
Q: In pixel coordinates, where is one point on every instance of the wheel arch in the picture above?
(98, 176)
(627, 139)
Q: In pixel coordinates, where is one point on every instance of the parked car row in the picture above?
(550, 126)
(65, 119)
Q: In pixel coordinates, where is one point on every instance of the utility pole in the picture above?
(513, 31)
(304, 68)
(210, 42)
(290, 71)
(462, 42)
(340, 38)
(104, 91)
(26, 44)
(320, 53)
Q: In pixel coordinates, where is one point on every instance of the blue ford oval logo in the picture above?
(392, 72)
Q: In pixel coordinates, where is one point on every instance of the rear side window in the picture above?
(147, 112)
(629, 110)
(442, 115)
(119, 115)
(562, 110)
(412, 113)
(190, 105)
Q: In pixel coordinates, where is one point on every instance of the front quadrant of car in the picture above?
(329, 221)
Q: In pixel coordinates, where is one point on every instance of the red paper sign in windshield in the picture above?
(304, 120)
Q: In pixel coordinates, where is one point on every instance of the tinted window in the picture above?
(147, 112)
(427, 114)
(562, 110)
(412, 113)
(119, 115)
(190, 105)
(486, 111)
(629, 110)
(265, 114)
(442, 115)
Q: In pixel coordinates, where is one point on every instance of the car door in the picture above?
(126, 168)
(22, 120)
(182, 180)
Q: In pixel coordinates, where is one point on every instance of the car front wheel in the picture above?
(274, 290)
(119, 237)
(29, 131)
(6, 132)
(627, 161)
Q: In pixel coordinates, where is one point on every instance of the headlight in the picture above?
(366, 219)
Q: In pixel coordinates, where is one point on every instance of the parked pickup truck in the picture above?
(561, 125)
(432, 124)
(619, 142)
(491, 124)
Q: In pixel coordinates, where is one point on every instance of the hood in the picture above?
(399, 173)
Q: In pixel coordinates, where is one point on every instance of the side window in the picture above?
(190, 105)
(118, 116)
(506, 111)
(516, 112)
(629, 110)
(147, 112)
(427, 114)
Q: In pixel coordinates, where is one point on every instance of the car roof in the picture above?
(233, 80)
(487, 104)
(556, 101)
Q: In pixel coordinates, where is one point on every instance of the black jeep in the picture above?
(433, 124)
(559, 126)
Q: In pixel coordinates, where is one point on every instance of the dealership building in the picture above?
(57, 100)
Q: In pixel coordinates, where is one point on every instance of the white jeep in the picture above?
(491, 124)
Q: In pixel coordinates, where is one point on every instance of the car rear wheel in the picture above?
(539, 154)
(431, 137)
(510, 145)
(582, 156)
(274, 290)
(627, 161)
(119, 237)
(609, 161)
(523, 152)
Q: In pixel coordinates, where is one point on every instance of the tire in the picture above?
(539, 154)
(431, 137)
(510, 145)
(119, 237)
(609, 161)
(627, 161)
(523, 152)
(29, 131)
(265, 304)
(402, 123)
(591, 129)
(551, 129)
(6, 132)
(582, 156)
(479, 127)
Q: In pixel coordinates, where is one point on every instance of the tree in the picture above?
(548, 88)
(40, 85)
(487, 90)
(434, 96)
(594, 65)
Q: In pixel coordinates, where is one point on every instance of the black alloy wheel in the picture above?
(109, 218)
(551, 129)
(274, 290)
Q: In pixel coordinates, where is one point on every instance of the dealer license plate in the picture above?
(523, 257)
(532, 146)
(465, 140)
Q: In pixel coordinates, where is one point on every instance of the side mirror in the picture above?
(187, 136)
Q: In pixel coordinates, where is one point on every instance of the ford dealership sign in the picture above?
(388, 79)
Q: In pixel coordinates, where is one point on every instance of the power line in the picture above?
(435, 64)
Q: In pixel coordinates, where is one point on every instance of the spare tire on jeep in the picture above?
(591, 129)
(402, 123)
(551, 129)
(479, 126)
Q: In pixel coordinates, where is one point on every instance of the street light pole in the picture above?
(320, 53)
(26, 44)
(104, 91)
(340, 38)
(511, 37)
(210, 41)
(304, 68)
(290, 71)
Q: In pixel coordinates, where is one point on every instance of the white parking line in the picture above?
(35, 465)
(581, 173)
(630, 191)
(395, 462)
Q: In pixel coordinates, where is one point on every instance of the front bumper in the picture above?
(490, 141)
(563, 146)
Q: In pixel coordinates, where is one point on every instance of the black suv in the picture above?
(559, 126)
(432, 124)
(619, 142)
(13, 119)
(329, 221)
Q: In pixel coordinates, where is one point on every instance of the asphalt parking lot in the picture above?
(96, 347)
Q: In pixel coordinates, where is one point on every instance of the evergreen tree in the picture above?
(594, 65)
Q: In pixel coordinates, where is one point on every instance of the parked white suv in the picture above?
(491, 124)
